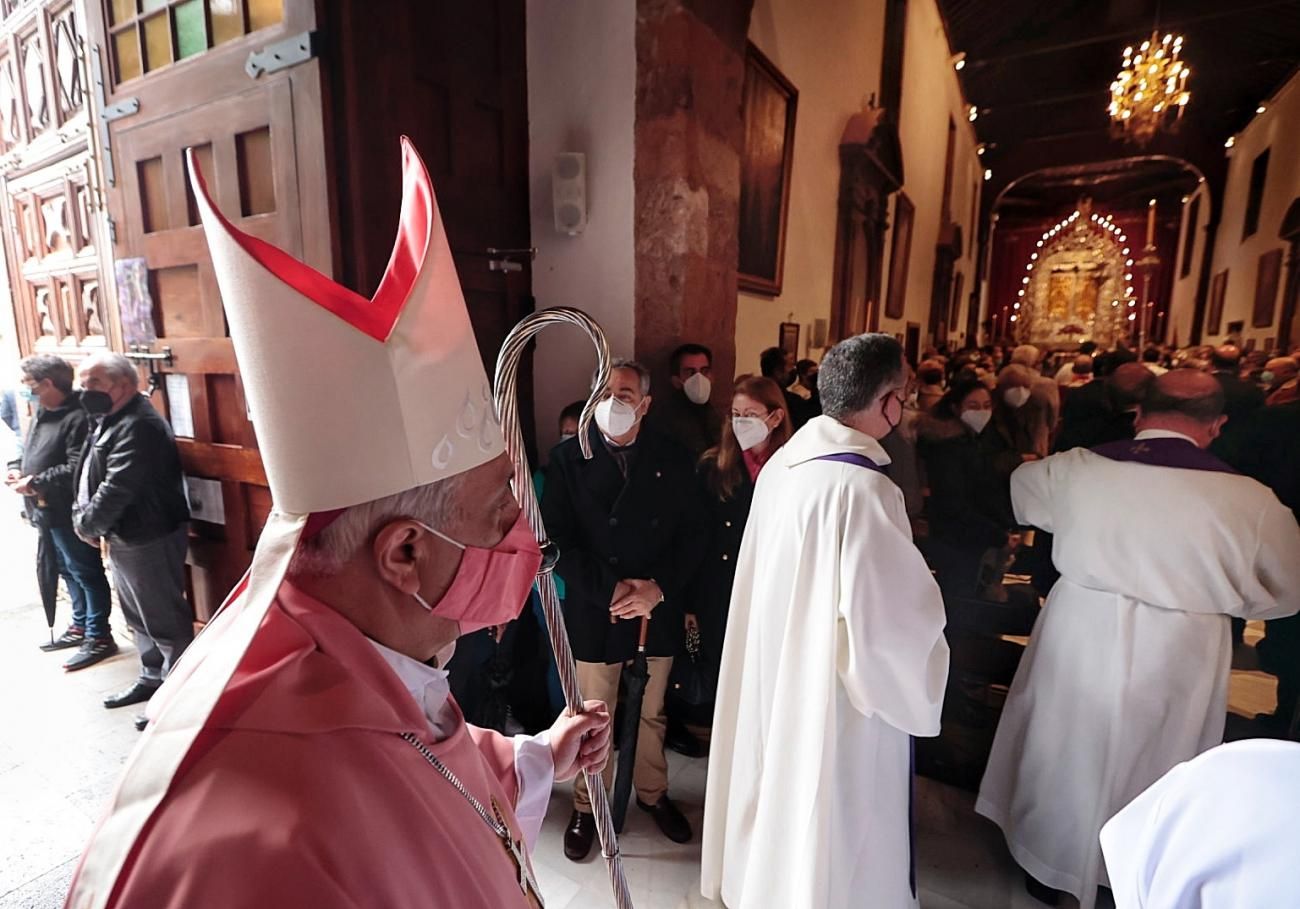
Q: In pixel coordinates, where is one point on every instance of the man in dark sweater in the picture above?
(629, 525)
(43, 476)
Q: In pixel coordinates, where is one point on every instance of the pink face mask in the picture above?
(491, 585)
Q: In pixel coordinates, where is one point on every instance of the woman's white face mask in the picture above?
(976, 419)
(750, 431)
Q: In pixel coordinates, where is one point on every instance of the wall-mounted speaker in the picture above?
(569, 192)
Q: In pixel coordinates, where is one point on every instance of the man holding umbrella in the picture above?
(43, 476)
(629, 527)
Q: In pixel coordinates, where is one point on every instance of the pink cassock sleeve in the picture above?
(525, 768)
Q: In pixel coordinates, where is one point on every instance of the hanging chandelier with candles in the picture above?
(1150, 92)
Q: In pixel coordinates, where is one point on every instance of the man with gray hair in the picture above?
(834, 658)
(630, 528)
(129, 491)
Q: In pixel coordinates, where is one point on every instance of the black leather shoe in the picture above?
(92, 651)
(141, 721)
(1041, 892)
(672, 823)
(678, 738)
(578, 836)
(136, 694)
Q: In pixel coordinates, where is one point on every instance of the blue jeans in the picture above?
(83, 571)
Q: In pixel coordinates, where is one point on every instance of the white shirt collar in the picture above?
(1162, 434)
(429, 687)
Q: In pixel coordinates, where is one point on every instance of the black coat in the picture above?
(50, 455)
(710, 596)
(133, 474)
(649, 526)
(1090, 417)
(696, 427)
(969, 478)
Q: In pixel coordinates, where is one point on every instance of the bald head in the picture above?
(1284, 369)
(1184, 401)
(1129, 383)
(1225, 356)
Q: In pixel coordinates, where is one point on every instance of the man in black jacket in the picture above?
(631, 534)
(129, 490)
(43, 476)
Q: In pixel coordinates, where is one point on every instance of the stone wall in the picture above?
(690, 64)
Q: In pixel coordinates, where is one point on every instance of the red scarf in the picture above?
(754, 462)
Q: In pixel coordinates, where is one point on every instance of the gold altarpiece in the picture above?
(1078, 287)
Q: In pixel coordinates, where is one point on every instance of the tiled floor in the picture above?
(60, 751)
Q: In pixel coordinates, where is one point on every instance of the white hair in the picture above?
(115, 366)
(1025, 355)
(326, 553)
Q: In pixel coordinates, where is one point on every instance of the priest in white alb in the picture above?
(834, 658)
(307, 750)
(1126, 674)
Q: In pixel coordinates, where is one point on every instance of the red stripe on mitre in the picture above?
(376, 317)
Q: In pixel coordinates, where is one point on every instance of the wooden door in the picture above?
(259, 142)
(453, 78)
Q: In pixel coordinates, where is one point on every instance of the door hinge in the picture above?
(107, 114)
(281, 55)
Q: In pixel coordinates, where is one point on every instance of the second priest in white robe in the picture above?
(834, 658)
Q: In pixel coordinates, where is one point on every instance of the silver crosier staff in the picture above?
(507, 402)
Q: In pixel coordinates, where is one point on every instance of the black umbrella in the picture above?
(635, 677)
(47, 575)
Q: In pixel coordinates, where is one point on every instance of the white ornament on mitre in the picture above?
(353, 400)
(356, 399)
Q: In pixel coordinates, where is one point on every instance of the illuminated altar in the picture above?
(1078, 284)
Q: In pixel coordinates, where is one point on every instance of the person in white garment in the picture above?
(1126, 673)
(1245, 796)
(834, 658)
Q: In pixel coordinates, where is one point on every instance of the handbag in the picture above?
(692, 681)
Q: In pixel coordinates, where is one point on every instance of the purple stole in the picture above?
(851, 457)
(861, 460)
(1164, 452)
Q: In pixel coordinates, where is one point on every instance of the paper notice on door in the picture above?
(206, 501)
(178, 405)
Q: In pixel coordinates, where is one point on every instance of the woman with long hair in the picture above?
(759, 425)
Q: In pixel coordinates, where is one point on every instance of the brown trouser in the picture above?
(599, 681)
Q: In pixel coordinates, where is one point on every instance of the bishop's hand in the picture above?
(581, 742)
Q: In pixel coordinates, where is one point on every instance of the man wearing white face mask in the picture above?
(686, 414)
(631, 535)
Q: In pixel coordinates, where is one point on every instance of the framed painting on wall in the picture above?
(1214, 318)
(1266, 281)
(765, 159)
(900, 251)
(789, 340)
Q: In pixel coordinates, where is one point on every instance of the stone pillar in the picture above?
(690, 73)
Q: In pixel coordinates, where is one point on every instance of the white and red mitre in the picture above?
(353, 400)
(356, 399)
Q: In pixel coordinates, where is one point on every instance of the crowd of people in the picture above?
(976, 446)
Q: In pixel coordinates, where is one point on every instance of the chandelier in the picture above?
(1150, 92)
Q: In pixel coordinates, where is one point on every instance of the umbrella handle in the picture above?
(645, 631)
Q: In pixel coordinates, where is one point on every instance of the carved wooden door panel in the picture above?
(178, 80)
